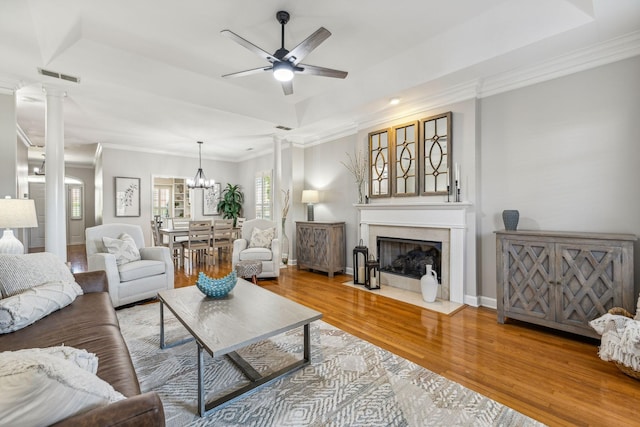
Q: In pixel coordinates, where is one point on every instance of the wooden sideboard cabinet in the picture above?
(321, 246)
(563, 280)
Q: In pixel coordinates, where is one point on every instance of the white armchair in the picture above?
(133, 281)
(270, 257)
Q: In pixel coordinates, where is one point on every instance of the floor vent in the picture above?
(57, 75)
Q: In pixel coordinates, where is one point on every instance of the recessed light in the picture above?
(394, 101)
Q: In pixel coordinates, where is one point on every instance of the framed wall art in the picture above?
(405, 160)
(127, 196)
(436, 150)
(210, 199)
(380, 164)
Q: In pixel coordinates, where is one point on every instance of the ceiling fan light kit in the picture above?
(282, 71)
(285, 63)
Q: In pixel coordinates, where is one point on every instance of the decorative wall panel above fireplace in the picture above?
(415, 158)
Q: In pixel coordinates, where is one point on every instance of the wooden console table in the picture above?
(320, 245)
(563, 280)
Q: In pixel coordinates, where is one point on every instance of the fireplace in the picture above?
(408, 257)
(445, 224)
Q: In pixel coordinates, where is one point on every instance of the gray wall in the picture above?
(144, 166)
(338, 192)
(87, 176)
(564, 153)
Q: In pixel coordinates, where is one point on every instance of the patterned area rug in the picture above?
(349, 382)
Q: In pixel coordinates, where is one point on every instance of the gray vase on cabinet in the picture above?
(510, 218)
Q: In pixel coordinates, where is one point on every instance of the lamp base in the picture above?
(9, 244)
(310, 212)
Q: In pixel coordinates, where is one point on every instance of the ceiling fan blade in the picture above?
(307, 45)
(247, 44)
(321, 71)
(287, 87)
(248, 72)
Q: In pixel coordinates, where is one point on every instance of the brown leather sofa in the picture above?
(90, 323)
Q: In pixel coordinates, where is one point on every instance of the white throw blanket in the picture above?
(620, 339)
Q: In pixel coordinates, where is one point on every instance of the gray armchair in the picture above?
(133, 281)
(270, 257)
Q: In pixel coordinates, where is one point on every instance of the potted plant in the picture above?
(230, 204)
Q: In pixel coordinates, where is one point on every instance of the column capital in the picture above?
(51, 90)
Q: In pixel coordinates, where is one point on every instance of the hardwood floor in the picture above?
(553, 377)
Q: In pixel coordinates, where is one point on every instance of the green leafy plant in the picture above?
(230, 204)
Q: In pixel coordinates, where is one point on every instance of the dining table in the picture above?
(174, 234)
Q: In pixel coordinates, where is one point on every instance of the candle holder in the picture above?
(360, 256)
(457, 191)
(448, 194)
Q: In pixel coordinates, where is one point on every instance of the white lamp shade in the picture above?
(18, 213)
(310, 196)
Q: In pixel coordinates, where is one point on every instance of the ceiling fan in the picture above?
(285, 63)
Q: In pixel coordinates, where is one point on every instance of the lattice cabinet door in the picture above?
(588, 282)
(304, 245)
(563, 280)
(528, 271)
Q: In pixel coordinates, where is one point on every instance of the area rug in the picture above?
(349, 382)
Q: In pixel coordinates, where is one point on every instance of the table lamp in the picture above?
(310, 197)
(15, 213)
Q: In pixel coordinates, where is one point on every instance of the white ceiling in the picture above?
(151, 70)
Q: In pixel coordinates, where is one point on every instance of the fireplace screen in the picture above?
(407, 257)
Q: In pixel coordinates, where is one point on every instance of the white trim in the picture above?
(451, 216)
(593, 56)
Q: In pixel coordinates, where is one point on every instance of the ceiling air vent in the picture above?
(283, 127)
(57, 75)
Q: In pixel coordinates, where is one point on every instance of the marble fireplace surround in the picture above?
(444, 222)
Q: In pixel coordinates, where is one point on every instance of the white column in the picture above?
(55, 219)
(277, 183)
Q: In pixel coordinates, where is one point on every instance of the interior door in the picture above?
(75, 214)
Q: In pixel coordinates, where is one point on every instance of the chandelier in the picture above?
(200, 180)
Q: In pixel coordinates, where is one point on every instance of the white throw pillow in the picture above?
(41, 389)
(262, 238)
(124, 248)
(23, 309)
(79, 357)
(21, 272)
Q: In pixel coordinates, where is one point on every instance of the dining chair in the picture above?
(178, 222)
(158, 240)
(198, 242)
(222, 236)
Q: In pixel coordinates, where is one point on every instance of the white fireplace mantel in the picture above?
(442, 215)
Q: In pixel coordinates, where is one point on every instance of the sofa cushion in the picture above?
(124, 248)
(23, 309)
(256, 254)
(262, 238)
(139, 269)
(21, 272)
(39, 388)
(90, 323)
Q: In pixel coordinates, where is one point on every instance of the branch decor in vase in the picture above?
(357, 165)
(284, 243)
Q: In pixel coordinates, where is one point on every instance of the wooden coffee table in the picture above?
(220, 326)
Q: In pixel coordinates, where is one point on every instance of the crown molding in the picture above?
(607, 52)
(335, 133)
(430, 101)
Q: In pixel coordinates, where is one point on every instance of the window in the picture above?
(161, 197)
(263, 195)
(75, 202)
